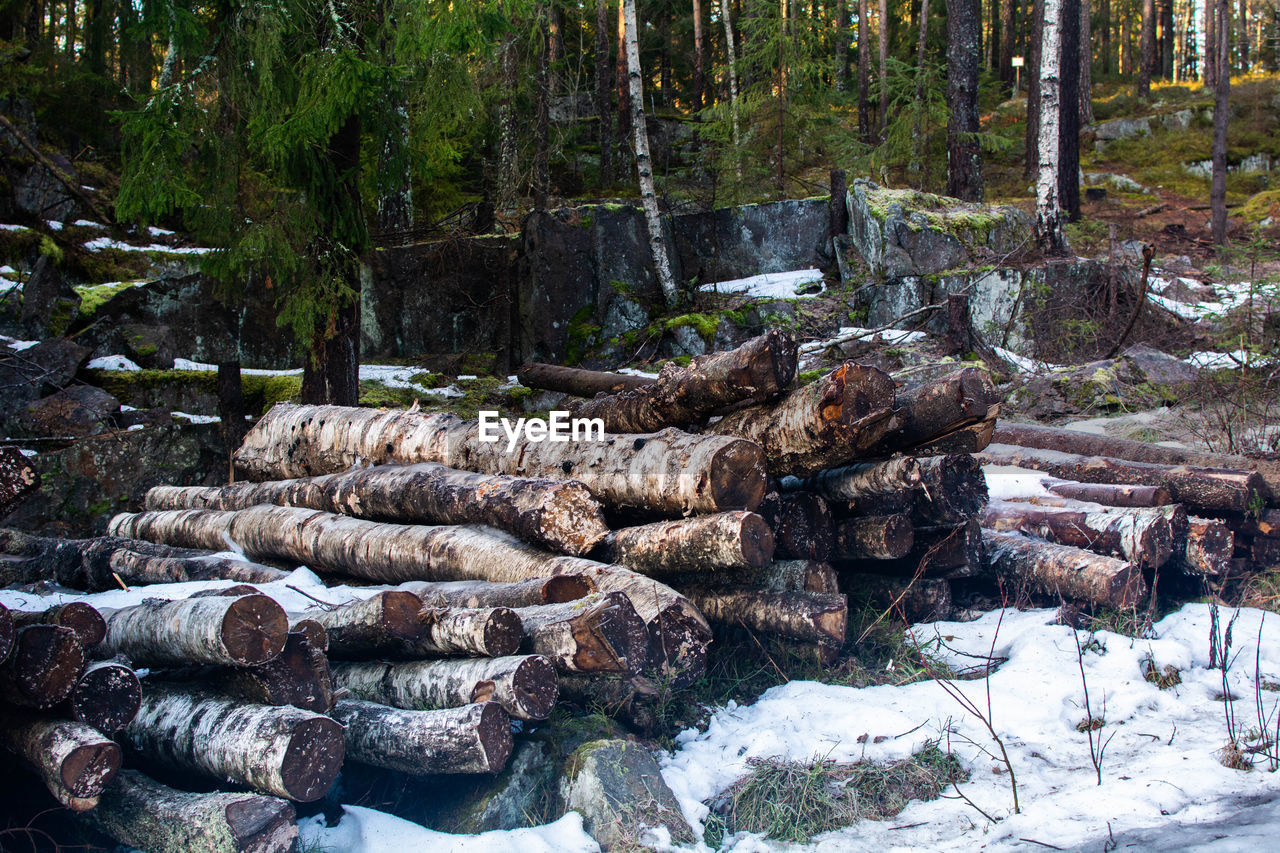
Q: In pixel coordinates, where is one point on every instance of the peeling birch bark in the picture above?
(43, 667)
(601, 633)
(476, 631)
(80, 617)
(807, 616)
(1061, 570)
(861, 479)
(106, 697)
(472, 739)
(720, 542)
(237, 631)
(283, 751)
(369, 626)
(72, 759)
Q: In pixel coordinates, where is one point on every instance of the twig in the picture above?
(1148, 252)
(327, 605)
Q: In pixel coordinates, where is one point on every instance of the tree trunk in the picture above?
(1140, 536)
(541, 183)
(732, 58)
(43, 667)
(1147, 58)
(1031, 149)
(884, 67)
(944, 552)
(783, 576)
(864, 73)
(106, 697)
(236, 631)
(917, 145)
(699, 59)
(82, 618)
(483, 631)
(964, 162)
(1048, 225)
(1109, 494)
(1007, 75)
(298, 676)
(1221, 115)
(278, 750)
(1086, 62)
(875, 537)
(576, 381)
(553, 590)
(1060, 570)
(604, 91)
(524, 685)
(508, 166)
(1210, 547)
(1209, 44)
(842, 53)
(139, 812)
(1104, 39)
(667, 471)
(74, 761)
(557, 514)
(231, 409)
(973, 438)
(713, 543)
(806, 616)
(1069, 111)
(821, 425)
(635, 700)
(755, 372)
(862, 479)
(601, 633)
(471, 739)
(935, 408)
(801, 524)
(369, 626)
(913, 599)
(18, 478)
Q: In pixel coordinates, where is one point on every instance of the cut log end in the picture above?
(313, 759)
(89, 767)
(107, 697)
(261, 824)
(738, 476)
(503, 632)
(46, 663)
(535, 687)
(494, 733)
(757, 541)
(254, 629)
(568, 587)
(401, 614)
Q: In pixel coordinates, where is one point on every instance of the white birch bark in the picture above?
(472, 739)
(240, 631)
(1048, 205)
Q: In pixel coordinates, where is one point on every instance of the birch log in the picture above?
(472, 739)
(778, 576)
(601, 633)
(106, 697)
(861, 479)
(369, 626)
(237, 631)
(935, 408)
(801, 524)
(283, 751)
(755, 372)
(298, 676)
(43, 667)
(74, 761)
(952, 491)
(824, 424)
(484, 631)
(140, 812)
(557, 514)
(807, 616)
(667, 471)
(578, 382)
(948, 551)
(1138, 535)
(913, 599)
(1112, 494)
(1061, 570)
(552, 590)
(1210, 547)
(972, 438)
(80, 617)
(875, 537)
(720, 542)
(524, 685)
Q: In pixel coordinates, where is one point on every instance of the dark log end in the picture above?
(254, 629)
(317, 636)
(262, 824)
(46, 663)
(89, 768)
(536, 687)
(900, 535)
(494, 730)
(107, 697)
(611, 637)
(503, 632)
(313, 759)
(678, 647)
(757, 541)
(738, 479)
(85, 620)
(401, 614)
(1127, 588)
(561, 588)
(572, 520)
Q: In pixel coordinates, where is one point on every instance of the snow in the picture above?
(17, 345)
(53, 225)
(1160, 772)
(112, 362)
(368, 831)
(1006, 482)
(7, 285)
(7, 270)
(1235, 358)
(892, 337)
(773, 285)
(198, 419)
(99, 243)
(158, 232)
(632, 371)
(88, 223)
(5, 227)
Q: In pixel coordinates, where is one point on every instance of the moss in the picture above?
(427, 379)
(50, 249)
(14, 245)
(93, 296)
(583, 335)
(1260, 206)
(804, 377)
(378, 395)
(704, 324)
(263, 392)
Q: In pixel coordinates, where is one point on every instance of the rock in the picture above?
(1095, 194)
(739, 242)
(36, 372)
(1140, 378)
(618, 787)
(77, 411)
(152, 347)
(1158, 368)
(49, 304)
(519, 791)
(1178, 122)
(41, 194)
(1121, 128)
(684, 340)
(623, 315)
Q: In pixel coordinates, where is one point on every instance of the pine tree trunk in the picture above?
(236, 631)
(1031, 157)
(106, 697)
(1221, 115)
(1209, 44)
(508, 166)
(713, 543)
(1109, 494)
(864, 73)
(542, 116)
(917, 145)
(1139, 536)
(43, 667)
(1069, 111)
(1104, 40)
(806, 616)
(699, 59)
(842, 53)
(732, 58)
(604, 94)
(1147, 58)
(471, 739)
(1060, 570)
(74, 761)
(1048, 225)
(884, 67)
(1007, 76)
(1210, 547)
(964, 162)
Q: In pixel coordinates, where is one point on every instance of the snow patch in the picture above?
(368, 831)
(773, 285)
(17, 345)
(113, 362)
(99, 243)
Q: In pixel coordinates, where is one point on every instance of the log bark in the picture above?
(530, 593)
(973, 438)
(876, 537)
(106, 697)
(720, 542)
(912, 599)
(801, 524)
(755, 372)
(935, 408)
(483, 631)
(1140, 536)
(1207, 489)
(80, 617)
(298, 676)
(236, 631)
(472, 739)
(578, 382)
(1060, 570)
(952, 489)
(1089, 444)
(283, 751)
(807, 616)
(1210, 547)
(824, 424)
(667, 471)
(1265, 552)
(369, 626)
(862, 479)
(779, 576)
(74, 761)
(43, 667)
(140, 812)
(1265, 523)
(1112, 494)
(557, 514)
(18, 478)
(601, 633)
(6, 633)
(524, 685)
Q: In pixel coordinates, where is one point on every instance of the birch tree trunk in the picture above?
(937, 408)
(524, 685)
(84, 619)
(1139, 536)
(471, 739)
(240, 631)
(1048, 225)
(1060, 570)
(644, 164)
(731, 57)
(1109, 494)
(601, 633)
(369, 626)
(875, 537)
(298, 676)
(73, 760)
(552, 590)
(860, 480)
(713, 543)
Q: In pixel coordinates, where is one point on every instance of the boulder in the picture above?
(42, 195)
(738, 242)
(1140, 378)
(618, 787)
(36, 372)
(49, 303)
(1120, 128)
(77, 411)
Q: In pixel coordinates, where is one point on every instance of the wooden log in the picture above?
(1265, 523)
(277, 750)
(237, 631)
(1207, 489)
(1061, 570)
(635, 700)
(18, 478)
(755, 372)
(1091, 444)
(939, 407)
(524, 685)
(875, 537)
(601, 633)
(779, 576)
(298, 676)
(557, 514)
(971, 438)
(1138, 535)
(43, 667)
(1112, 494)
(6, 633)
(369, 626)
(720, 542)
(952, 490)
(530, 593)
(484, 631)
(73, 760)
(471, 739)
(578, 382)
(824, 424)
(861, 479)
(1210, 547)
(667, 471)
(106, 697)
(140, 812)
(807, 616)
(80, 617)
(913, 599)
(801, 524)
(946, 551)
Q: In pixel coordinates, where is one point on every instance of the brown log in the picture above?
(667, 471)
(947, 551)
(369, 626)
(952, 490)
(972, 438)
(317, 636)
(801, 524)
(557, 514)
(720, 542)
(1138, 535)
(524, 685)
(635, 700)
(43, 667)
(80, 617)
(933, 409)
(578, 382)
(825, 424)
(601, 633)
(6, 633)
(1207, 489)
(755, 372)
(237, 631)
(472, 739)
(140, 812)
(807, 616)
(1112, 494)
(278, 750)
(1210, 547)
(1060, 570)
(484, 631)
(1091, 444)
(875, 537)
(913, 599)
(552, 590)
(106, 697)
(18, 478)
(298, 676)
(792, 576)
(74, 761)
(861, 479)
